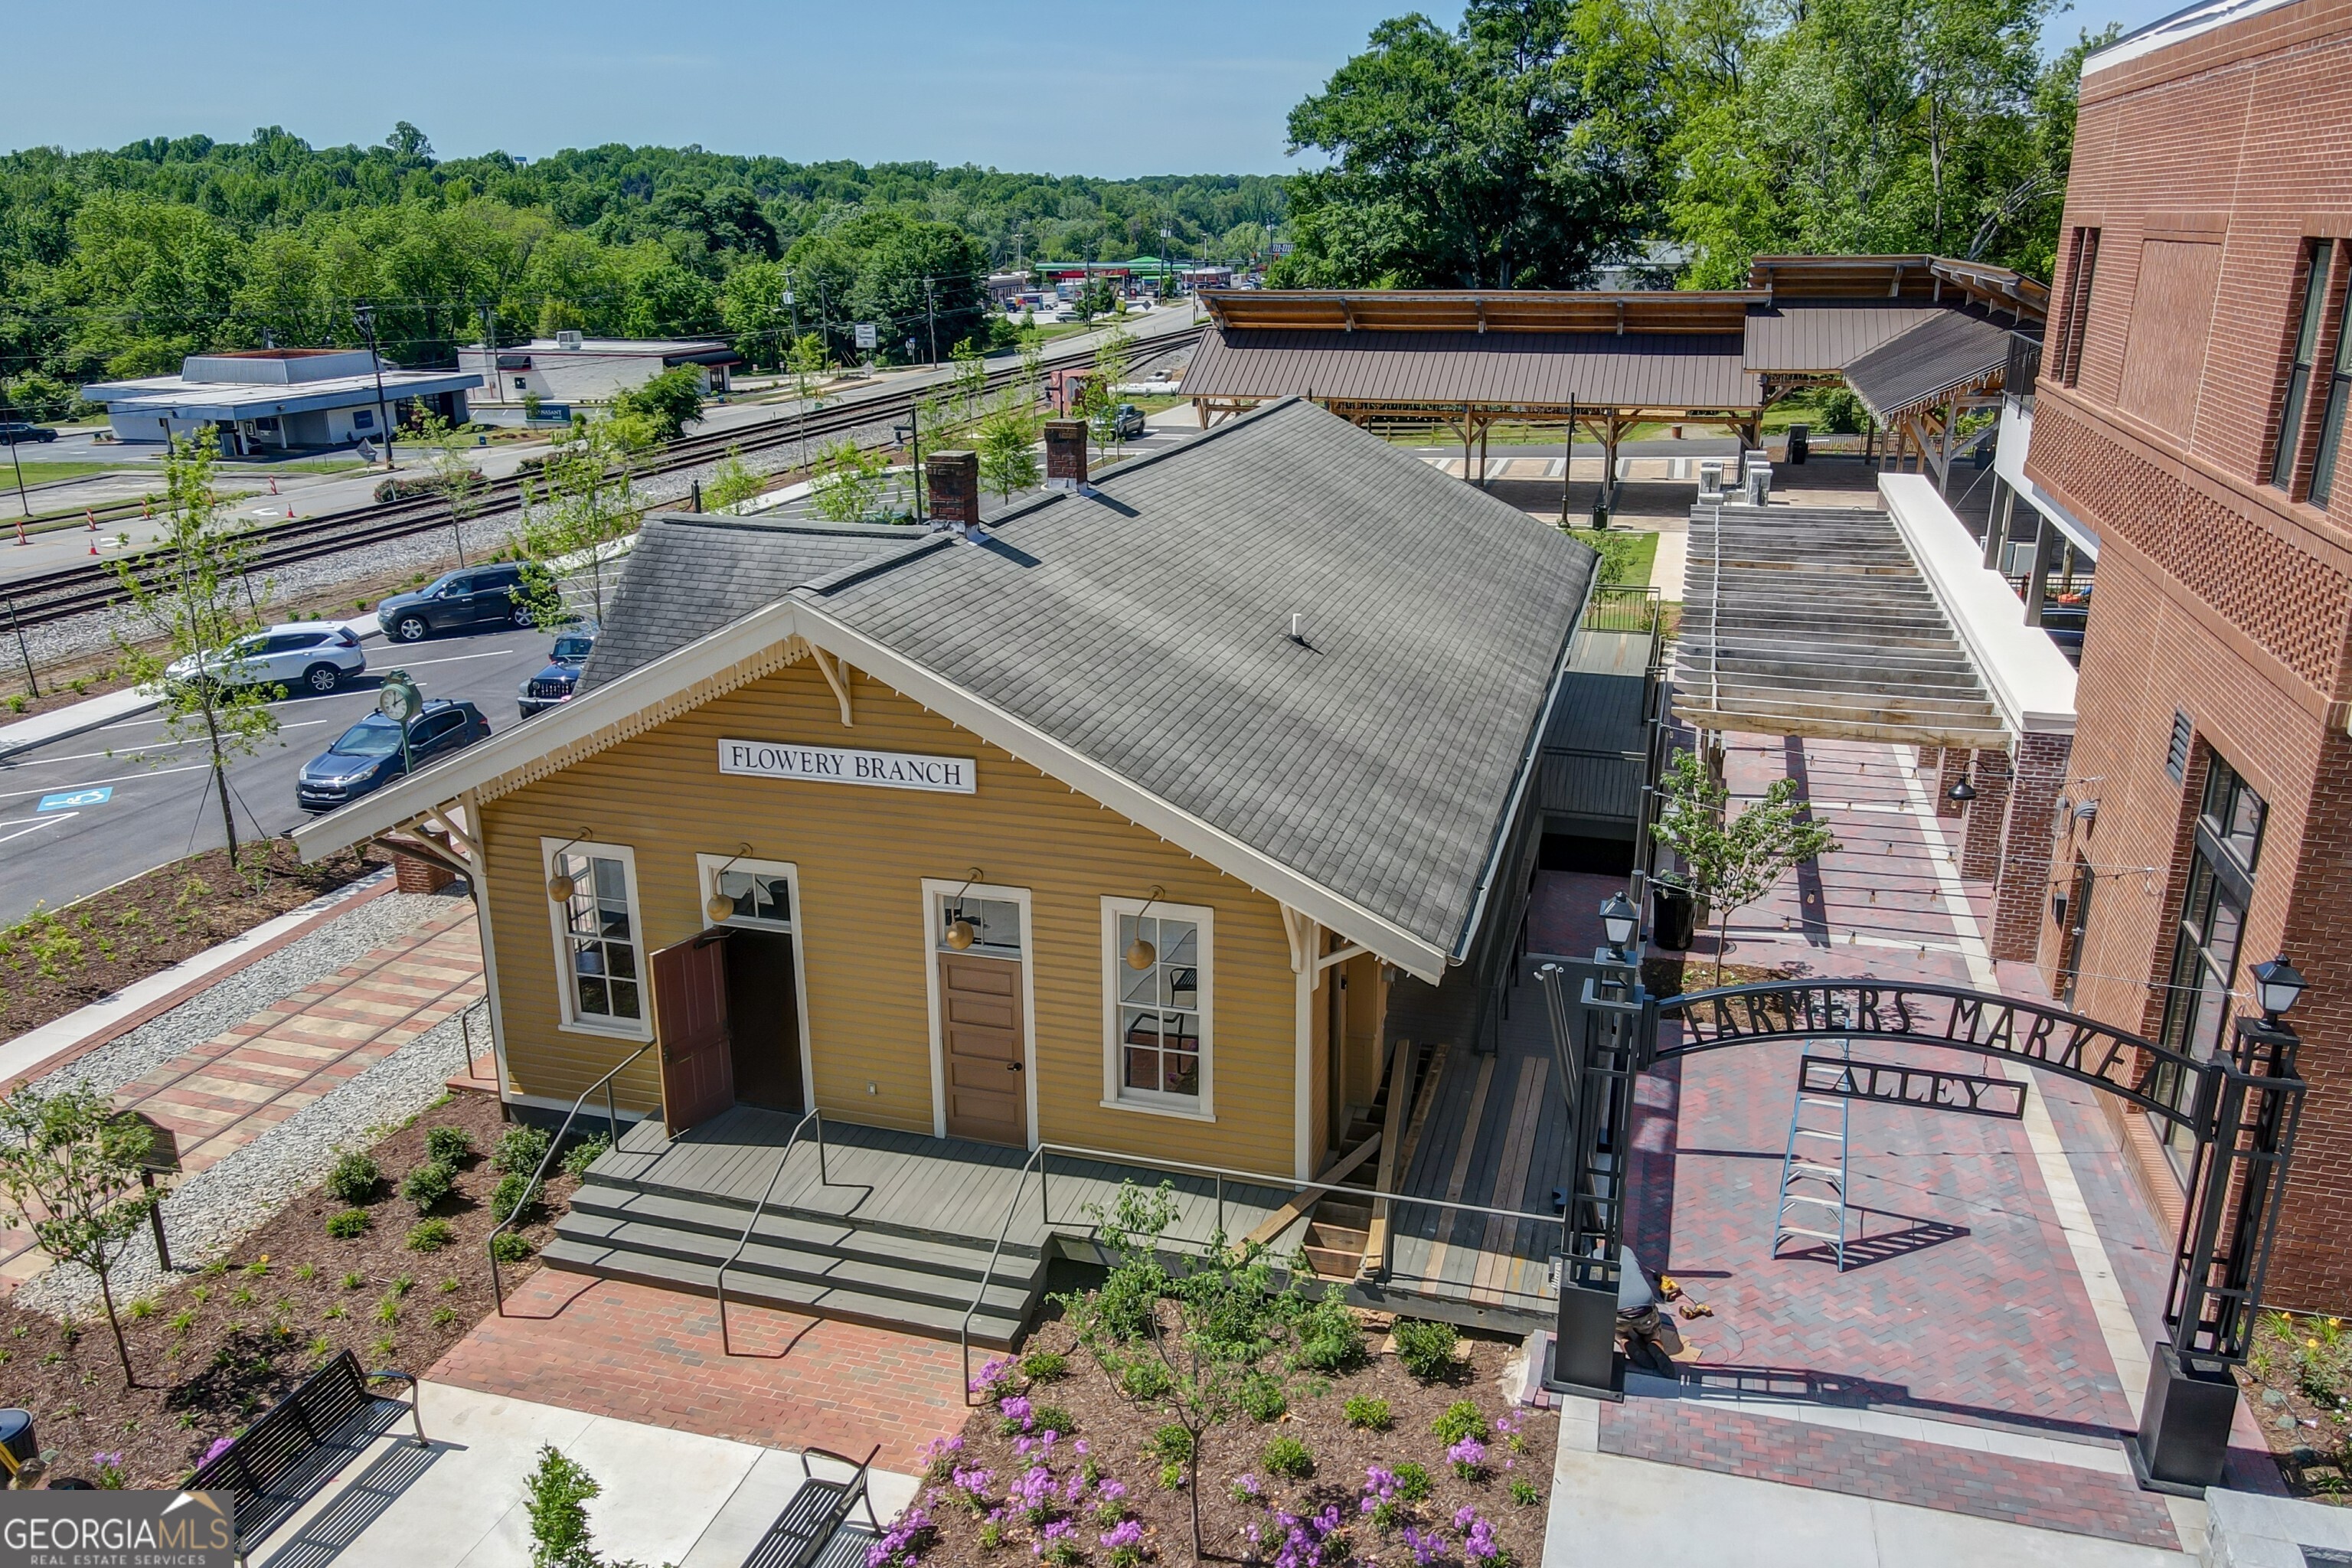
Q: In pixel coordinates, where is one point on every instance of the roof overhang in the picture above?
(767, 640)
(225, 400)
(1481, 309)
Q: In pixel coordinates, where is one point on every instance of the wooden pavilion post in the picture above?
(1567, 464)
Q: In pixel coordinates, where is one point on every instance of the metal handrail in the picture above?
(726, 1345)
(1256, 1178)
(988, 1276)
(612, 1123)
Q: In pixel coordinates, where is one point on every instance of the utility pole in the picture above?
(800, 381)
(931, 315)
(366, 317)
(14, 458)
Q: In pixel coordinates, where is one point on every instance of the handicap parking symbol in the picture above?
(76, 798)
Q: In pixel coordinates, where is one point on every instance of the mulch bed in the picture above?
(2296, 1383)
(54, 962)
(1117, 1433)
(208, 1366)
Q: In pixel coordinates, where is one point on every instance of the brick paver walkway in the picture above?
(608, 1348)
(1891, 1470)
(221, 1095)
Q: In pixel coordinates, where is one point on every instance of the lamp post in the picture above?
(365, 316)
(912, 433)
(1620, 922)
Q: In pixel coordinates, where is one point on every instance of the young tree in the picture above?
(1732, 861)
(585, 499)
(556, 1497)
(1187, 1342)
(1008, 437)
(1098, 400)
(69, 1167)
(450, 471)
(197, 608)
(848, 483)
(661, 409)
(731, 483)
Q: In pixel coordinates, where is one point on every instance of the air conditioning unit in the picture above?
(567, 339)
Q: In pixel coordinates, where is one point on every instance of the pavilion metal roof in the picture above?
(1431, 369)
(1948, 350)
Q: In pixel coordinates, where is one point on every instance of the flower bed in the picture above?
(216, 1351)
(2298, 1384)
(1363, 1467)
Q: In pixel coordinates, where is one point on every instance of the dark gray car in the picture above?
(477, 597)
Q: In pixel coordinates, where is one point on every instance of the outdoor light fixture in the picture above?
(719, 907)
(1962, 791)
(1141, 955)
(961, 933)
(2277, 985)
(1619, 921)
(560, 887)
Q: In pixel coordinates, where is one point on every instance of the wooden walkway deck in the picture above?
(904, 1181)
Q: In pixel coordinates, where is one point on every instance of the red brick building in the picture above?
(2192, 396)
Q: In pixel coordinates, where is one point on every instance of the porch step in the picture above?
(825, 1265)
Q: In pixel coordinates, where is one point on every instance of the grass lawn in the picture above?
(1626, 555)
(303, 466)
(44, 473)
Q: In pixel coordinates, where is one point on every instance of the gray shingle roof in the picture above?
(1145, 626)
(1947, 349)
(689, 575)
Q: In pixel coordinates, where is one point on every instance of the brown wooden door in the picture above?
(697, 1075)
(979, 1031)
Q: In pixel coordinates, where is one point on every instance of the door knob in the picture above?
(1012, 1066)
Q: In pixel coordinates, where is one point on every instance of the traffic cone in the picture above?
(93, 518)
(94, 547)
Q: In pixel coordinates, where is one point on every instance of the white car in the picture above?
(302, 656)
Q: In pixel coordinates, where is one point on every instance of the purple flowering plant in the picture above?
(1469, 1456)
(903, 1543)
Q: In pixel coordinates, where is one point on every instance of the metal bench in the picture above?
(274, 1465)
(815, 1516)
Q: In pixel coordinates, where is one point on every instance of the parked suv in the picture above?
(462, 600)
(367, 756)
(297, 657)
(13, 430)
(554, 687)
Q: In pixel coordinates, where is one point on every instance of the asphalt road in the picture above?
(161, 806)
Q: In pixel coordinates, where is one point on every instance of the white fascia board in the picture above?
(2031, 682)
(1392, 943)
(2009, 462)
(576, 720)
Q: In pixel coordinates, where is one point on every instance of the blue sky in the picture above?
(1199, 86)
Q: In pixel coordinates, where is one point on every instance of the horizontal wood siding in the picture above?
(862, 855)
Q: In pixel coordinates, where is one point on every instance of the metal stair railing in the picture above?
(824, 1179)
(539, 1176)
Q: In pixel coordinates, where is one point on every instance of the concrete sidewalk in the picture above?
(669, 1496)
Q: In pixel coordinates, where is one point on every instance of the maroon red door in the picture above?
(697, 1071)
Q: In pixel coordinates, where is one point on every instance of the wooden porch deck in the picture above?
(889, 1180)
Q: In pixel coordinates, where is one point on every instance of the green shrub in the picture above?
(510, 1247)
(1171, 1475)
(1171, 1443)
(1045, 1366)
(1426, 1347)
(449, 1145)
(428, 1184)
(348, 1226)
(1330, 1338)
(1525, 1491)
(520, 1148)
(1052, 1418)
(1263, 1400)
(1461, 1420)
(584, 1153)
(355, 1177)
(1287, 1456)
(1412, 1482)
(1144, 1381)
(513, 1194)
(1369, 1412)
(431, 1236)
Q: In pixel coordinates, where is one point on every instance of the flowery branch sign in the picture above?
(846, 765)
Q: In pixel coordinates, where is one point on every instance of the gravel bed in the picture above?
(237, 997)
(212, 1209)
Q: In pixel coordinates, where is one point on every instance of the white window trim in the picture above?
(707, 868)
(936, 891)
(568, 999)
(1117, 1096)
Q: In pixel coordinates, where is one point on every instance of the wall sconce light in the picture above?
(560, 887)
(719, 907)
(1962, 791)
(1141, 955)
(961, 933)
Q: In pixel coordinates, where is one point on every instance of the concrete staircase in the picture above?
(1800, 620)
(888, 1275)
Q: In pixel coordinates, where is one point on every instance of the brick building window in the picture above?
(2213, 921)
(2082, 266)
(2331, 420)
(2312, 310)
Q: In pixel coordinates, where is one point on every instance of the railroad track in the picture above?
(91, 586)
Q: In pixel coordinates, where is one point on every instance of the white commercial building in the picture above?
(568, 368)
(260, 399)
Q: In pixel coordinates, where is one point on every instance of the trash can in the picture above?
(1801, 445)
(1673, 916)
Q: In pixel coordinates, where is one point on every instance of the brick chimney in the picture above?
(1065, 454)
(953, 480)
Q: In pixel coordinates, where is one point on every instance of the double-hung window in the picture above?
(2082, 270)
(2206, 940)
(1156, 982)
(2311, 311)
(599, 943)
